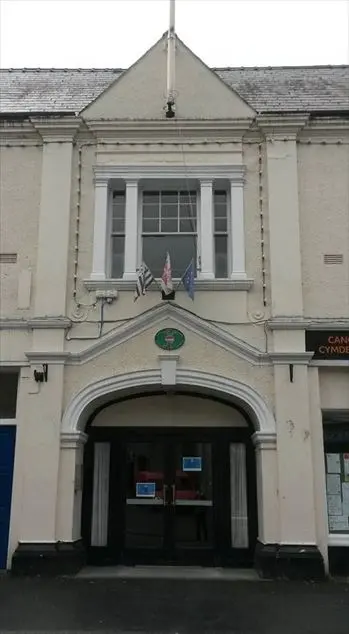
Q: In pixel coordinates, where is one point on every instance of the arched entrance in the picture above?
(169, 478)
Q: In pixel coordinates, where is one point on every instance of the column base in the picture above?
(59, 558)
(338, 560)
(276, 561)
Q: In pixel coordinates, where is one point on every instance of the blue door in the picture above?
(7, 452)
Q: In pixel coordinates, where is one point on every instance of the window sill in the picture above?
(200, 285)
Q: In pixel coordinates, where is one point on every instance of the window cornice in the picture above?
(235, 173)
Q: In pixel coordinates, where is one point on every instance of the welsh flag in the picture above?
(166, 279)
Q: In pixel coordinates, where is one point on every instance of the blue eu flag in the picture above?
(188, 280)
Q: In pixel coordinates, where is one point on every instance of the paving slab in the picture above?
(171, 606)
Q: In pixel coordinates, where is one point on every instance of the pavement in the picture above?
(171, 606)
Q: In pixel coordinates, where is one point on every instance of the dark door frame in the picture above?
(220, 437)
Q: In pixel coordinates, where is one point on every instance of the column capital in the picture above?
(206, 182)
(264, 440)
(100, 178)
(237, 181)
(73, 440)
(62, 130)
(282, 128)
(131, 182)
(100, 181)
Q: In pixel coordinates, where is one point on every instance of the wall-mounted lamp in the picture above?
(170, 110)
(40, 374)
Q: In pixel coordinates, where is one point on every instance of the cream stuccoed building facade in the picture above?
(213, 431)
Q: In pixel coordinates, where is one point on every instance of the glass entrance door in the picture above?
(192, 500)
(170, 496)
(168, 501)
(147, 499)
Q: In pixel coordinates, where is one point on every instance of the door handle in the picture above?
(164, 494)
(173, 489)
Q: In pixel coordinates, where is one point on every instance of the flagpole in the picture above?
(171, 51)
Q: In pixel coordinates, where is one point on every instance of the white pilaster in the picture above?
(294, 455)
(267, 488)
(206, 231)
(53, 238)
(100, 230)
(237, 231)
(284, 214)
(131, 230)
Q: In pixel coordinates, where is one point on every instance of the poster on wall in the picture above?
(192, 463)
(338, 523)
(334, 503)
(345, 496)
(337, 487)
(145, 489)
(333, 484)
(346, 466)
(333, 463)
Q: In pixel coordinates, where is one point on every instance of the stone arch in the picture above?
(84, 402)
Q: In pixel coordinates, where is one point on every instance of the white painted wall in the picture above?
(169, 411)
(334, 388)
(323, 175)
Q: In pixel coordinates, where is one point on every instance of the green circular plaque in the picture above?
(169, 339)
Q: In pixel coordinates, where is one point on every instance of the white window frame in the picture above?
(167, 184)
(229, 254)
(234, 175)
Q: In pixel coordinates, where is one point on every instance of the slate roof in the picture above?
(271, 89)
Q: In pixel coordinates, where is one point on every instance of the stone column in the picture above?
(100, 232)
(237, 231)
(131, 230)
(206, 231)
(267, 488)
(70, 485)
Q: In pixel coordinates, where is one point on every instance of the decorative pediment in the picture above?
(140, 92)
(169, 315)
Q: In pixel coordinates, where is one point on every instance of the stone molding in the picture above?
(104, 173)
(309, 323)
(75, 415)
(282, 127)
(56, 129)
(228, 284)
(286, 358)
(206, 131)
(48, 323)
(73, 440)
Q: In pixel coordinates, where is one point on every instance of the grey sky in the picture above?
(114, 33)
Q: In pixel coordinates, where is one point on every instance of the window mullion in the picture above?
(131, 230)
(237, 230)
(206, 233)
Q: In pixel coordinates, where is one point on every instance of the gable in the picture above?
(168, 315)
(140, 92)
